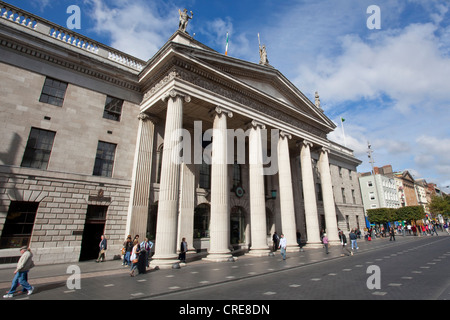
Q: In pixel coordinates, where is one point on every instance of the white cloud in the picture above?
(137, 27)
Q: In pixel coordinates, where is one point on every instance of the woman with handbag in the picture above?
(134, 257)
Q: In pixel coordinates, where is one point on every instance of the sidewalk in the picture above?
(47, 275)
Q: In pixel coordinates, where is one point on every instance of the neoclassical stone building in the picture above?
(190, 144)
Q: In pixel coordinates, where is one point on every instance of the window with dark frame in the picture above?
(38, 149)
(104, 160)
(19, 224)
(53, 92)
(205, 176)
(113, 108)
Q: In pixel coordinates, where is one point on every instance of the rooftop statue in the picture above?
(184, 19)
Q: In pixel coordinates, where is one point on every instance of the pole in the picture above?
(343, 132)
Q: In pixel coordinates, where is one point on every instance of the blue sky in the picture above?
(392, 85)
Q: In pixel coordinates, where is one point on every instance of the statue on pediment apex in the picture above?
(184, 19)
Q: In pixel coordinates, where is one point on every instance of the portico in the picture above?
(189, 86)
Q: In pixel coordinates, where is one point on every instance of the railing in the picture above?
(47, 28)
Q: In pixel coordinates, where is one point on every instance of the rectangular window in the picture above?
(113, 108)
(38, 149)
(19, 224)
(343, 195)
(205, 176)
(53, 92)
(104, 160)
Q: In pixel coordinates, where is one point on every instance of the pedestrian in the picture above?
(282, 246)
(24, 265)
(433, 230)
(102, 247)
(325, 242)
(391, 234)
(128, 246)
(146, 247)
(446, 227)
(276, 241)
(134, 257)
(353, 239)
(183, 250)
(343, 239)
(424, 230)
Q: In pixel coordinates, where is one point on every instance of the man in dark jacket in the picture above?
(343, 239)
(102, 246)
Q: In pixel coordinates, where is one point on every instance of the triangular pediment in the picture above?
(264, 84)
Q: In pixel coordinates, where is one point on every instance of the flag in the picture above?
(342, 119)
(226, 48)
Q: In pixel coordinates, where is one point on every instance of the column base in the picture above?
(258, 252)
(313, 245)
(165, 262)
(220, 257)
(293, 248)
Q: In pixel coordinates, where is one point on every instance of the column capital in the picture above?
(255, 124)
(325, 150)
(284, 134)
(175, 93)
(145, 117)
(220, 110)
(305, 143)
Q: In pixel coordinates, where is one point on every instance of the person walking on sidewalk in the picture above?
(391, 234)
(353, 238)
(24, 265)
(343, 239)
(282, 245)
(325, 242)
(102, 247)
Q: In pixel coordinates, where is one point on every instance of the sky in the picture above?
(385, 70)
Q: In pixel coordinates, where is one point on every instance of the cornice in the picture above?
(65, 63)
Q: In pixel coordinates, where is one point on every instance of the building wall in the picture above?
(66, 189)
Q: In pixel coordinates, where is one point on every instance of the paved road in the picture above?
(410, 268)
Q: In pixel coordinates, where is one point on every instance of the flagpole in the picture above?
(343, 132)
(226, 48)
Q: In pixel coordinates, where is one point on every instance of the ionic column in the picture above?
(142, 168)
(258, 227)
(311, 217)
(220, 198)
(287, 207)
(166, 229)
(327, 195)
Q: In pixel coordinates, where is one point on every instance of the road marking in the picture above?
(174, 288)
(170, 276)
(230, 277)
(294, 285)
(332, 274)
(69, 291)
(269, 293)
(137, 294)
(315, 279)
(204, 282)
(407, 278)
(394, 284)
(346, 270)
(142, 280)
(416, 271)
(109, 285)
(379, 293)
(424, 267)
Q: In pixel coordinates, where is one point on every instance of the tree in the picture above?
(440, 205)
(381, 215)
(410, 213)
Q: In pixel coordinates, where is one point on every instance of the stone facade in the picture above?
(227, 206)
